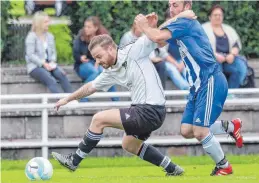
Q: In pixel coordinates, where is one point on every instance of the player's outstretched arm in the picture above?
(156, 34)
(185, 14)
(84, 91)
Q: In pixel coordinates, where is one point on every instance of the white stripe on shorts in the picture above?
(209, 101)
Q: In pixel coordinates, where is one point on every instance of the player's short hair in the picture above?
(216, 6)
(101, 40)
(185, 2)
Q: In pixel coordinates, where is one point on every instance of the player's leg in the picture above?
(187, 120)
(233, 128)
(149, 153)
(139, 121)
(108, 118)
(208, 106)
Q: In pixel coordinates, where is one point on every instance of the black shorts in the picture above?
(142, 119)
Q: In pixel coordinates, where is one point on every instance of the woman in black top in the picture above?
(85, 66)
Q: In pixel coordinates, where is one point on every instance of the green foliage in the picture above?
(17, 8)
(63, 41)
(117, 16)
(5, 6)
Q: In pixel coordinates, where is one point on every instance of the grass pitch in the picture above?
(134, 170)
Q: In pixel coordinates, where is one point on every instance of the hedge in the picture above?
(63, 42)
(5, 7)
(117, 16)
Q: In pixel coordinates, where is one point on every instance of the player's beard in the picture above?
(110, 61)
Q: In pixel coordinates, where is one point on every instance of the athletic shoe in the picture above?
(65, 160)
(236, 134)
(222, 171)
(177, 171)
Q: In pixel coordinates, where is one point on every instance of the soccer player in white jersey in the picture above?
(208, 86)
(130, 67)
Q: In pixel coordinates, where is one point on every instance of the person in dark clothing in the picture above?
(85, 66)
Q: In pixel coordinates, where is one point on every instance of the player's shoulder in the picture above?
(179, 22)
(126, 47)
(183, 21)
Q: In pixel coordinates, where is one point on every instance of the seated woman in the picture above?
(85, 65)
(226, 45)
(41, 56)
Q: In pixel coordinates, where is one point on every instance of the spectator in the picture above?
(85, 66)
(174, 65)
(41, 55)
(226, 45)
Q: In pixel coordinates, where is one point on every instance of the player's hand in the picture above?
(230, 58)
(141, 21)
(152, 19)
(187, 14)
(220, 58)
(60, 103)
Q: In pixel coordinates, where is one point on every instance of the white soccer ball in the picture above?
(39, 169)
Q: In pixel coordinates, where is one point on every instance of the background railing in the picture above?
(44, 107)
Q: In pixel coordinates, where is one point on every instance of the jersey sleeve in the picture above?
(103, 82)
(178, 28)
(142, 48)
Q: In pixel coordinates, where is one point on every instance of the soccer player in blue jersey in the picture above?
(208, 85)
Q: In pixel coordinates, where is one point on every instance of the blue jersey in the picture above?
(195, 50)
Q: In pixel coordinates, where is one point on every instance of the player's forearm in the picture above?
(155, 35)
(82, 92)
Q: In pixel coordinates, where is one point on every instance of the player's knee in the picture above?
(98, 121)
(186, 132)
(128, 147)
(200, 132)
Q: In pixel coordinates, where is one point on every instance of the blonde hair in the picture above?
(101, 40)
(37, 22)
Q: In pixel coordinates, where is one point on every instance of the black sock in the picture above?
(89, 142)
(152, 155)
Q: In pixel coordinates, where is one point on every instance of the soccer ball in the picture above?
(39, 169)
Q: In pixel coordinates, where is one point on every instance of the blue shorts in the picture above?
(206, 105)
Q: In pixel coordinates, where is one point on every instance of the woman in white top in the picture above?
(41, 56)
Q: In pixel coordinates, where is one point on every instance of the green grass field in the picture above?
(132, 169)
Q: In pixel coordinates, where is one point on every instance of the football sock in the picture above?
(213, 149)
(152, 155)
(222, 127)
(89, 142)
